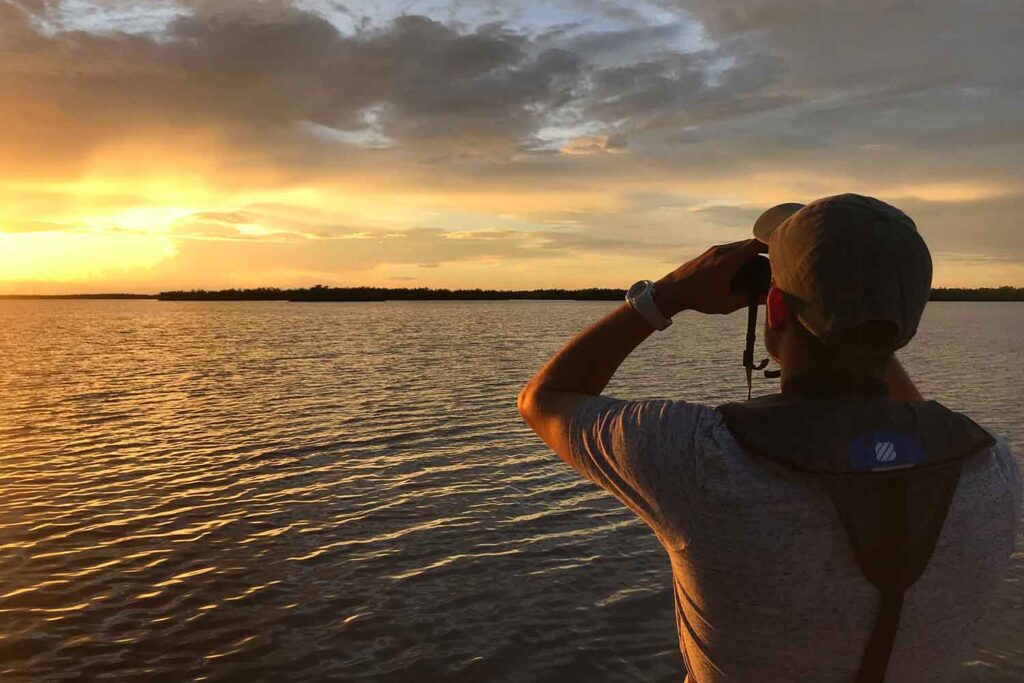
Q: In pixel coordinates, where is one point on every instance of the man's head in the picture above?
(850, 280)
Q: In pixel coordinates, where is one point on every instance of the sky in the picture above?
(179, 144)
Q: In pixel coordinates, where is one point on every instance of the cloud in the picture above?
(377, 256)
(595, 144)
(283, 87)
(273, 83)
(840, 45)
(220, 108)
(32, 226)
(730, 215)
(230, 217)
(265, 80)
(631, 41)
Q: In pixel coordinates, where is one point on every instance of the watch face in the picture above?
(637, 289)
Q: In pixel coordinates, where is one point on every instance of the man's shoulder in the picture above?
(678, 423)
(649, 429)
(653, 413)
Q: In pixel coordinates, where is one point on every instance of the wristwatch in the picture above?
(640, 298)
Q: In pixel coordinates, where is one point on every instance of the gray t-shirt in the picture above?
(766, 585)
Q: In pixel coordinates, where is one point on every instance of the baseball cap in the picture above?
(846, 261)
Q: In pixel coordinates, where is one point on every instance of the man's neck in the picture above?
(824, 383)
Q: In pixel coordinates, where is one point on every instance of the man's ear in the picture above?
(776, 306)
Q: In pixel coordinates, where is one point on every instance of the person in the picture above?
(772, 511)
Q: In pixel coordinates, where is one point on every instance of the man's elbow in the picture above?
(547, 413)
(526, 402)
(531, 404)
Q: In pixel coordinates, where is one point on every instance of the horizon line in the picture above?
(253, 293)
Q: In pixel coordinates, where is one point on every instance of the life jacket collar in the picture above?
(852, 434)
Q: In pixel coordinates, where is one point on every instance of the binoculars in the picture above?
(754, 278)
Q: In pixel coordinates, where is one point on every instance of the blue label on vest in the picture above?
(885, 450)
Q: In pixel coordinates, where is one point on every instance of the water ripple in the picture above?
(251, 491)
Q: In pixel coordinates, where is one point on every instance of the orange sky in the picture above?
(217, 144)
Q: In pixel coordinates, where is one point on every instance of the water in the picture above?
(271, 491)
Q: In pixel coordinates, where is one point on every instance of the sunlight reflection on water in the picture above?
(345, 491)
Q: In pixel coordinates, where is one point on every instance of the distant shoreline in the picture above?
(355, 294)
(78, 296)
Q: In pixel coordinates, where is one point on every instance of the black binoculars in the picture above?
(754, 278)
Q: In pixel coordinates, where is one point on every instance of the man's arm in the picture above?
(579, 371)
(585, 365)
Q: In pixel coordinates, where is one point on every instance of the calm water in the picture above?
(270, 491)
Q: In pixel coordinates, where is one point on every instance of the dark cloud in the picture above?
(835, 73)
(279, 81)
(841, 45)
(648, 88)
(31, 7)
(642, 37)
(877, 68)
(260, 77)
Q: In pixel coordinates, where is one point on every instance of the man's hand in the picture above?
(703, 283)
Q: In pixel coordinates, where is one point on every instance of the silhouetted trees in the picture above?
(78, 296)
(323, 293)
(979, 294)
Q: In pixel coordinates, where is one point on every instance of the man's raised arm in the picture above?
(584, 366)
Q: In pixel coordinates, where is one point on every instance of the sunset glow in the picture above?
(153, 146)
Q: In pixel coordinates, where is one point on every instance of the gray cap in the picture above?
(848, 260)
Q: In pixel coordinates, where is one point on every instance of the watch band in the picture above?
(643, 303)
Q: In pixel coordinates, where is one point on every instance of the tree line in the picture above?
(323, 293)
(1005, 293)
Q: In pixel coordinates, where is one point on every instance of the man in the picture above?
(858, 532)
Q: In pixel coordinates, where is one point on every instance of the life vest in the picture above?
(890, 468)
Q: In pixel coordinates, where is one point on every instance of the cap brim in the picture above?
(771, 219)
